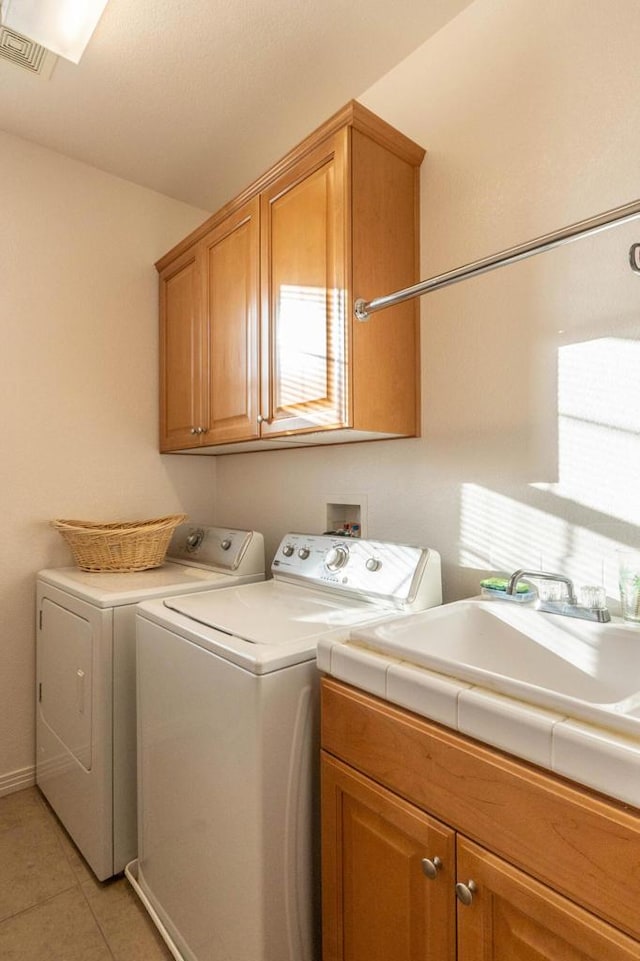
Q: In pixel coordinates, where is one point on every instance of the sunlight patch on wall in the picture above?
(499, 533)
(599, 427)
(598, 470)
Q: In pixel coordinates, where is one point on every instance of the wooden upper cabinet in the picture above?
(304, 273)
(275, 274)
(232, 272)
(182, 353)
(384, 258)
(209, 372)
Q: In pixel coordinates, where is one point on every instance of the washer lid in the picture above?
(275, 614)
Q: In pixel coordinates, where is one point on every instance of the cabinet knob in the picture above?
(431, 866)
(465, 892)
(194, 430)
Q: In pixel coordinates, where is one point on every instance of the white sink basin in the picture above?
(578, 668)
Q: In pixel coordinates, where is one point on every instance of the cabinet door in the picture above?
(231, 265)
(304, 283)
(378, 902)
(182, 353)
(514, 918)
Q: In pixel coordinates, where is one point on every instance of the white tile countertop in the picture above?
(605, 760)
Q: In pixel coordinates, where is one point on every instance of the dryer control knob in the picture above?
(303, 553)
(194, 540)
(373, 564)
(225, 544)
(287, 550)
(336, 557)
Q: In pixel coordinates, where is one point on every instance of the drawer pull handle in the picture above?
(465, 892)
(431, 866)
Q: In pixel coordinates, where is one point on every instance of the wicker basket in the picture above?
(119, 547)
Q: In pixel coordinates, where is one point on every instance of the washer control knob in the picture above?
(287, 550)
(373, 564)
(225, 544)
(303, 553)
(336, 558)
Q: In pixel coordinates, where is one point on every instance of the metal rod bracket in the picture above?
(359, 309)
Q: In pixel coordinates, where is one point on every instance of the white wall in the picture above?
(531, 410)
(78, 387)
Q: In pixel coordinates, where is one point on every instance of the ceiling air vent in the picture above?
(26, 53)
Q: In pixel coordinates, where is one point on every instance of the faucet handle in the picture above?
(594, 597)
(554, 591)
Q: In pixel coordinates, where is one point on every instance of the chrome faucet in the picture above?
(568, 607)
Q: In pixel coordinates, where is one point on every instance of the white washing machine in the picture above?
(85, 656)
(228, 743)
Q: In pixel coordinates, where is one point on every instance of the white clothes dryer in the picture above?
(228, 751)
(85, 677)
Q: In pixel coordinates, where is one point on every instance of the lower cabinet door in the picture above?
(388, 874)
(510, 917)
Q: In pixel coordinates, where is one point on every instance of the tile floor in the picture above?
(52, 908)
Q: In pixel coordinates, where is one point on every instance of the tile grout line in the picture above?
(41, 901)
(73, 874)
(96, 921)
(76, 879)
(37, 904)
(58, 828)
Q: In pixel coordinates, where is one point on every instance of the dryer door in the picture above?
(65, 678)
(74, 719)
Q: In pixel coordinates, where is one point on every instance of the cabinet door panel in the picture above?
(514, 918)
(378, 904)
(181, 353)
(304, 282)
(231, 253)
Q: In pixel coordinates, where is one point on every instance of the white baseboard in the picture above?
(17, 780)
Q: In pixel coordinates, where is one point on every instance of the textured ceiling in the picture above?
(197, 99)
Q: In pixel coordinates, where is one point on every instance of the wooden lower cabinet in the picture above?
(378, 902)
(390, 869)
(512, 917)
